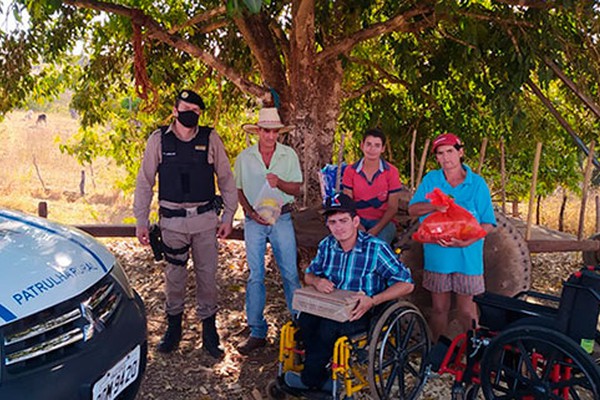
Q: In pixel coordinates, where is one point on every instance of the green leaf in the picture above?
(253, 5)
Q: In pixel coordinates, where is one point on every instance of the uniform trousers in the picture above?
(204, 250)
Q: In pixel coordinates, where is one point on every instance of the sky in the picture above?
(7, 21)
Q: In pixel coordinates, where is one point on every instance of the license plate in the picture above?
(118, 377)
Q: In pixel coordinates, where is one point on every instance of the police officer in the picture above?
(187, 157)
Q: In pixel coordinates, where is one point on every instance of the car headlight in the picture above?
(120, 276)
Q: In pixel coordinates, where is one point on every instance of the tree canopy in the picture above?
(469, 67)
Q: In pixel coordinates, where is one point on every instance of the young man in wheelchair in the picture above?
(347, 259)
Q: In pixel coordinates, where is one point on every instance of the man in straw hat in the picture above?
(278, 165)
(187, 157)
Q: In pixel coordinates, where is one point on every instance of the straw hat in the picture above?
(268, 118)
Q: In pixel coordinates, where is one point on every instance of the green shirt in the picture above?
(251, 172)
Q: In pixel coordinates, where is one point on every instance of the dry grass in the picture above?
(550, 210)
(27, 144)
(21, 188)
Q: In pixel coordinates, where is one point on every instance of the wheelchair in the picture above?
(388, 360)
(529, 347)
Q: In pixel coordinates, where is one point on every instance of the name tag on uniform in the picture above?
(200, 148)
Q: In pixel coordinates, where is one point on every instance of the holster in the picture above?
(218, 204)
(156, 242)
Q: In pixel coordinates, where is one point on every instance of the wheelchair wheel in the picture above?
(472, 392)
(274, 392)
(398, 347)
(536, 362)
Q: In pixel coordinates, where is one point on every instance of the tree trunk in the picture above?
(316, 118)
(315, 98)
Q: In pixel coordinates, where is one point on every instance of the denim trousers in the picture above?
(283, 242)
(387, 234)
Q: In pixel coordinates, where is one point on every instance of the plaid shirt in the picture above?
(371, 266)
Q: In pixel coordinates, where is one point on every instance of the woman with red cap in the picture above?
(453, 266)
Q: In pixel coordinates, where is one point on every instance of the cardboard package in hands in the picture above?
(336, 305)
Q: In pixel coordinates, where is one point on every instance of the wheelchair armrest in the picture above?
(537, 295)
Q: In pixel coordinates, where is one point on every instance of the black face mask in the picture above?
(189, 119)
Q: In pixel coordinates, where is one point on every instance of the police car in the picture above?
(71, 326)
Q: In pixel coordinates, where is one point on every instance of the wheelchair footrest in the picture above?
(438, 353)
(310, 394)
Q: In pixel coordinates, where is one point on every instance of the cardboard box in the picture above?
(336, 305)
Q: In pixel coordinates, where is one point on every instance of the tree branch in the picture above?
(393, 79)
(213, 26)
(399, 23)
(541, 4)
(199, 18)
(157, 32)
(303, 30)
(258, 37)
(284, 43)
(587, 100)
(561, 120)
(301, 67)
(362, 90)
(448, 36)
(498, 20)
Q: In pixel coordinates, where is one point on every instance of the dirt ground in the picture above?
(190, 374)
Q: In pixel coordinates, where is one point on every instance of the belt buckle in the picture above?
(190, 212)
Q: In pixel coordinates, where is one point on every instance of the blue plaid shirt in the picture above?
(371, 266)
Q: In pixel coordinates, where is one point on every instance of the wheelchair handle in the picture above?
(593, 291)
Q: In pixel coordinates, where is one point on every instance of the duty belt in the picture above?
(185, 212)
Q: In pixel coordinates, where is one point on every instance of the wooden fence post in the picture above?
(502, 176)
(413, 144)
(423, 162)
(43, 209)
(536, 166)
(338, 172)
(584, 193)
(597, 213)
(82, 183)
(515, 208)
(482, 155)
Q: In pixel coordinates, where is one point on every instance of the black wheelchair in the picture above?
(531, 346)
(528, 347)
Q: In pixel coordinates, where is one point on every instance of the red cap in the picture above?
(445, 139)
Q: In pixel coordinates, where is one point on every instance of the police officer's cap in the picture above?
(191, 97)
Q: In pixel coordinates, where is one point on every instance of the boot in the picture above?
(170, 341)
(210, 337)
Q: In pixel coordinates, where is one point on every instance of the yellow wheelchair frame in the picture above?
(396, 346)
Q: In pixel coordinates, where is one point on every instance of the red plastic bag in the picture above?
(455, 222)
